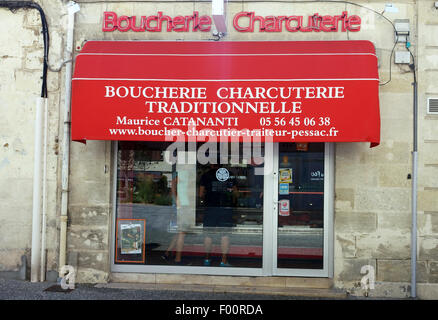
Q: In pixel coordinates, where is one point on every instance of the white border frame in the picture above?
(269, 259)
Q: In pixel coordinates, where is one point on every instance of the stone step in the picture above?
(244, 281)
(289, 291)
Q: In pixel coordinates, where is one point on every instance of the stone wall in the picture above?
(373, 194)
(428, 150)
(21, 64)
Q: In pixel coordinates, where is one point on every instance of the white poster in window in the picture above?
(131, 239)
(284, 208)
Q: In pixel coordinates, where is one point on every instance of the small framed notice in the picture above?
(283, 189)
(130, 240)
(284, 208)
(285, 176)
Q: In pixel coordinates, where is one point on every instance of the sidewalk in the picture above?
(25, 290)
(183, 302)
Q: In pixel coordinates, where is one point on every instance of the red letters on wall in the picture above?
(242, 22)
(112, 22)
(246, 21)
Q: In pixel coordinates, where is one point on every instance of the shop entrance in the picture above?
(302, 227)
(222, 208)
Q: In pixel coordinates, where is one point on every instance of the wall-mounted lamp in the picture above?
(401, 30)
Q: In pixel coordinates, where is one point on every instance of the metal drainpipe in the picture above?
(44, 196)
(414, 195)
(72, 9)
(36, 203)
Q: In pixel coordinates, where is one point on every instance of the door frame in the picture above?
(328, 258)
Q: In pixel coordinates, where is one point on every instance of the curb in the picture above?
(292, 292)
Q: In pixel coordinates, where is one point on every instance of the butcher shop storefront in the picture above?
(223, 152)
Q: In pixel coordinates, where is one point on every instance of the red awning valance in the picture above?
(283, 91)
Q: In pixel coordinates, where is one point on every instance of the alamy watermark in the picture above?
(221, 150)
(368, 280)
(68, 277)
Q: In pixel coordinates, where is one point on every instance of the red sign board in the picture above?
(287, 91)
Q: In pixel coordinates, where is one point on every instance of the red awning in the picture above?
(282, 91)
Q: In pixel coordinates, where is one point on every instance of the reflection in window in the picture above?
(301, 206)
(195, 213)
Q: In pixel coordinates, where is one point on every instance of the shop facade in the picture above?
(263, 147)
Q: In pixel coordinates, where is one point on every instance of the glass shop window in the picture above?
(190, 205)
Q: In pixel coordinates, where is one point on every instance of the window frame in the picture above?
(269, 258)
